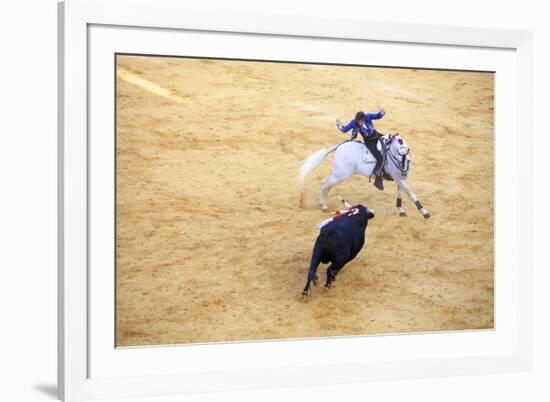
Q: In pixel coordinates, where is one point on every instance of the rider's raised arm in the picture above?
(375, 116)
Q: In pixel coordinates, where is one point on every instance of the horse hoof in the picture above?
(323, 207)
(402, 214)
(427, 216)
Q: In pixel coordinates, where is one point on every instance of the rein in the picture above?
(403, 165)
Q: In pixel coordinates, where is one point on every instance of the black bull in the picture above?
(338, 243)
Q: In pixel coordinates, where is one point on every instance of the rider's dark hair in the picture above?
(359, 116)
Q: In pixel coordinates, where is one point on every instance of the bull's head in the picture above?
(364, 215)
(361, 213)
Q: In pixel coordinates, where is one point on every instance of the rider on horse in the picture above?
(363, 125)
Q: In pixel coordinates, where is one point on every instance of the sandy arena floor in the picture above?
(214, 233)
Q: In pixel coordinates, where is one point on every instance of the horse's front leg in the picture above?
(412, 196)
(399, 202)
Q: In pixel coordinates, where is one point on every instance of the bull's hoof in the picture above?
(427, 216)
(402, 214)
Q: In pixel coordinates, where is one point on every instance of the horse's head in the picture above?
(398, 149)
(397, 144)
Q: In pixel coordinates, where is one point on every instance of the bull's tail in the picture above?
(312, 274)
(313, 161)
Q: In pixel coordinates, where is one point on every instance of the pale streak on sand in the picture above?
(319, 114)
(148, 86)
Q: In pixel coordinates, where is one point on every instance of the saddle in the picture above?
(369, 158)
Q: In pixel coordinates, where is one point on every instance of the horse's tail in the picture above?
(313, 161)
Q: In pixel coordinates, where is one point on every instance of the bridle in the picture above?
(400, 160)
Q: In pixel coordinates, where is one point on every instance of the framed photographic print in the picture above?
(251, 201)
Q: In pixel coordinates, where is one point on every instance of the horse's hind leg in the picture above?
(399, 202)
(327, 185)
(413, 198)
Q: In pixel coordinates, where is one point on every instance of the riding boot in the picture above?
(378, 183)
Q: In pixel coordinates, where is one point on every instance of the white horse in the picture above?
(350, 159)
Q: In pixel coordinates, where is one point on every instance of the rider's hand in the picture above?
(381, 110)
(338, 121)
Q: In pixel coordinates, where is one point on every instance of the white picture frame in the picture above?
(80, 328)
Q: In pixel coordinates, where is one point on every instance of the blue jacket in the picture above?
(367, 131)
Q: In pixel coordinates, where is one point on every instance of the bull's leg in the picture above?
(399, 202)
(312, 274)
(307, 288)
(332, 270)
(413, 198)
